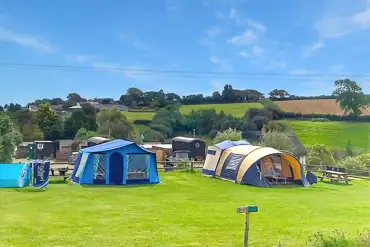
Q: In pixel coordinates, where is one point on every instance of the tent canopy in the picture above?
(115, 162)
(253, 165)
(227, 144)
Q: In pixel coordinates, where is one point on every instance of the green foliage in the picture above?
(349, 149)
(360, 162)
(228, 134)
(45, 117)
(115, 125)
(320, 120)
(339, 239)
(10, 138)
(84, 134)
(350, 96)
(279, 94)
(279, 141)
(331, 117)
(275, 126)
(320, 155)
(31, 132)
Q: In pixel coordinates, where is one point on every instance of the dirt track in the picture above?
(319, 106)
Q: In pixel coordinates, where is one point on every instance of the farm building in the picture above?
(253, 165)
(116, 162)
(196, 147)
(161, 150)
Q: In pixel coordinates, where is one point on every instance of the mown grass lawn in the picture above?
(235, 109)
(333, 134)
(184, 210)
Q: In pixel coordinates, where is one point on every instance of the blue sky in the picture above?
(308, 44)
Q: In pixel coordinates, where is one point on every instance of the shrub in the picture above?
(319, 155)
(351, 163)
(229, 134)
(339, 239)
(320, 119)
(279, 141)
(277, 126)
(142, 121)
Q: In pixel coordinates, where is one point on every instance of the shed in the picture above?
(195, 146)
(117, 162)
(161, 150)
(43, 149)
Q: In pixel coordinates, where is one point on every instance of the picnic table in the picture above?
(334, 176)
(62, 170)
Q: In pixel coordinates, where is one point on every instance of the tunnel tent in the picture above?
(214, 154)
(116, 162)
(254, 165)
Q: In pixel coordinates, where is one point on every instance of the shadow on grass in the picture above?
(30, 189)
(123, 186)
(57, 181)
(336, 183)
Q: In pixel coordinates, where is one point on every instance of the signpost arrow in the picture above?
(247, 210)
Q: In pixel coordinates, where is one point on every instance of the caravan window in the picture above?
(138, 166)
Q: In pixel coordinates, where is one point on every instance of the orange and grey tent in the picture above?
(254, 165)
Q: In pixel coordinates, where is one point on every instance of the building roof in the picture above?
(97, 139)
(164, 146)
(184, 139)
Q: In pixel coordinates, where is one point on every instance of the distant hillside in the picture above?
(318, 106)
(235, 109)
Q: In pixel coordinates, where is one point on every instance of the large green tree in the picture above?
(112, 123)
(45, 117)
(10, 138)
(350, 96)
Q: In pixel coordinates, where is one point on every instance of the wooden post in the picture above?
(191, 166)
(369, 171)
(246, 232)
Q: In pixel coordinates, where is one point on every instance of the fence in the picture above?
(356, 173)
(198, 165)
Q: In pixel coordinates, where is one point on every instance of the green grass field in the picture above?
(132, 116)
(332, 134)
(184, 210)
(236, 109)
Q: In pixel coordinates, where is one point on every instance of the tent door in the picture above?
(116, 169)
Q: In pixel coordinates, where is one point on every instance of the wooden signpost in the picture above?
(247, 210)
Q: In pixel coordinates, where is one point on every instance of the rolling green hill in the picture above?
(235, 109)
(332, 134)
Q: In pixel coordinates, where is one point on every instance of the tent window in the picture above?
(211, 152)
(99, 166)
(81, 166)
(235, 161)
(138, 166)
(269, 167)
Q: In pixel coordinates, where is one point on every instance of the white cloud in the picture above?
(25, 40)
(217, 86)
(257, 51)
(309, 50)
(225, 66)
(363, 18)
(131, 71)
(244, 39)
(232, 13)
(256, 25)
(213, 32)
(131, 39)
(244, 54)
(335, 27)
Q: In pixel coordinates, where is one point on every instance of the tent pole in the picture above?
(246, 230)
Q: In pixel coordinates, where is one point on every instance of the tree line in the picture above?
(136, 98)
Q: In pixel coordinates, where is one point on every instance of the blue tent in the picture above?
(228, 144)
(116, 162)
